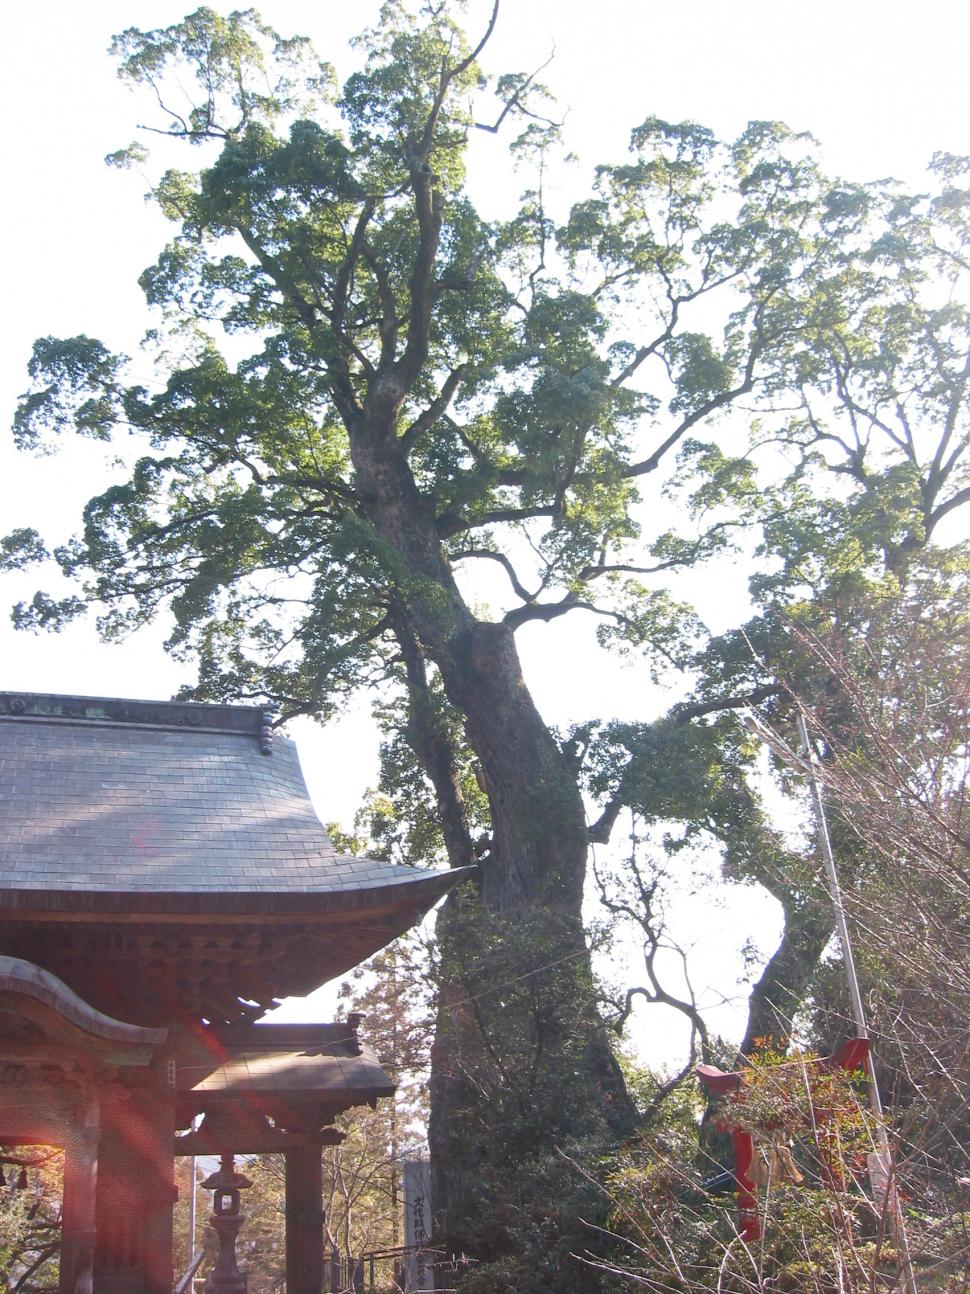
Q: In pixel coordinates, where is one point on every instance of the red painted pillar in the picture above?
(749, 1218)
(78, 1232)
(304, 1217)
(136, 1193)
(155, 1146)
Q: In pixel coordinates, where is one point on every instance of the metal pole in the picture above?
(192, 1197)
(835, 894)
(858, 1010)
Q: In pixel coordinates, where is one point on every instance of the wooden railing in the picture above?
(343, 1273)
(346, 1273)
(184, 1284)
(364, 1278)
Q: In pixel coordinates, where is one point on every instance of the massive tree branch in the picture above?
(780, 990)
(388, 323)
(449, 524)
(342, 388)
(599, 832)
(940, 466)
(520, 590)
(345, 274)
(949, 505)
(428, 208)
(682, 714)
(547, 611)
(426, 420)
(705, 410)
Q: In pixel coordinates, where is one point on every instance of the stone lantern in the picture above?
(227, 1217)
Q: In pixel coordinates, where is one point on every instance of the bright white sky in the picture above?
(882, 83)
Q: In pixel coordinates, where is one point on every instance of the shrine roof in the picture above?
(291, 1071)
(108, 803)
(314, 1060)
(290, 1074)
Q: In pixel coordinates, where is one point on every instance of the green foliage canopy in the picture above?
(541, 375)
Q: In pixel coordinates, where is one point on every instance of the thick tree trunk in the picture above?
(521, 1062)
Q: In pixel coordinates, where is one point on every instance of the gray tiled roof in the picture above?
(91, 805)
(293, 1073)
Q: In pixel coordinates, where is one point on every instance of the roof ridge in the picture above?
(53, 707)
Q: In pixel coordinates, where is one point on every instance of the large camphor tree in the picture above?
(366, 391)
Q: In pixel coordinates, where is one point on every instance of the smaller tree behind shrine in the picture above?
(393, 994)
(362, 1177)
(30, 1224)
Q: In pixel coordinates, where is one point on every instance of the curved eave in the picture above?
(35, 994)
(418, 891)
